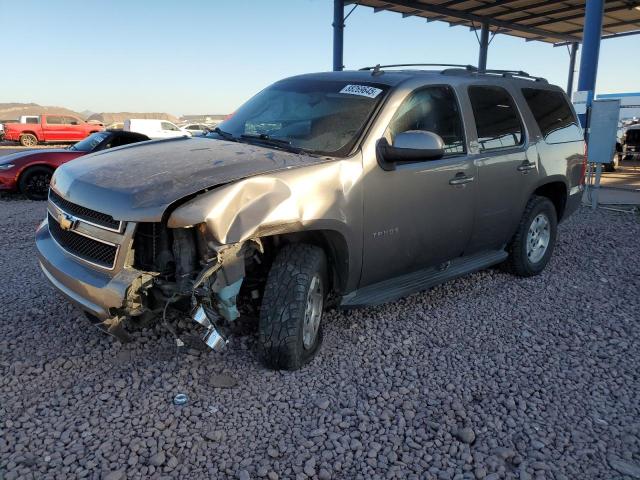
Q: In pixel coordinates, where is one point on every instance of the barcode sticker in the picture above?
(362, 90)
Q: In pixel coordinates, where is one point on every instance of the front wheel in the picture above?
(533, 243)
(34, 183)
(290, 329)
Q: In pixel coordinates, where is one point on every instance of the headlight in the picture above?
(6, 166)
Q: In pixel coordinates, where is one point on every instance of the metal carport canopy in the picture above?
(552, 21)
(560, 22)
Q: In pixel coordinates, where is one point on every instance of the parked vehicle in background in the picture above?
(49, 128)
(197, 129)
(367, 185)
(631, 143)
(29, 119)
(154, 129)
(29, 172)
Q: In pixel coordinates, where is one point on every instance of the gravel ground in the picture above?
(485, 377)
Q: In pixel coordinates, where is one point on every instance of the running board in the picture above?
(398, 287)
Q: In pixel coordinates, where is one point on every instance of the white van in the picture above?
(154, 128)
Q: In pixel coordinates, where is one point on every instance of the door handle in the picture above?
(461, 179)
(526, 166)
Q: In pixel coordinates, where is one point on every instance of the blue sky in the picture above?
(203, 56)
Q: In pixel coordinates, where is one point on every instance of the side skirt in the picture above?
(403, 285)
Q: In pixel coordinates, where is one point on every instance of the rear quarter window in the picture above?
(553, 115)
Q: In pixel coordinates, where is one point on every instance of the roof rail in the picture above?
(515, 73)
(457, 68)
(377, 68)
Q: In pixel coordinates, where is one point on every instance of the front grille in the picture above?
(88, 249)
(97, 218)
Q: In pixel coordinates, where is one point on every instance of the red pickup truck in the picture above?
(50, 128)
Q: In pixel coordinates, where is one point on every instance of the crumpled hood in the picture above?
(138, 182)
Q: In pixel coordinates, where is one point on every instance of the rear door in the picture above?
(507, 166)
(421, 213)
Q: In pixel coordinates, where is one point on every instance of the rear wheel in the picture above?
(290, 329)
(34, 183)
(28, 140)
(611, 167)
(532, 245)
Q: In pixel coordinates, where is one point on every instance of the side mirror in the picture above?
(413, 146)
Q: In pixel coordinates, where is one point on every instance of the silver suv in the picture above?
(354, 188)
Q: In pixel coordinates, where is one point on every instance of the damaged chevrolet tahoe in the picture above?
(352, 188)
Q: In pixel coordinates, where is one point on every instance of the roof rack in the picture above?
(457, 68)
(377, 68)
(515, 73)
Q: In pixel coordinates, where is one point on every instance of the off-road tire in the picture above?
(28, 140)
(37, 191)
(282, 314)
(518, 262)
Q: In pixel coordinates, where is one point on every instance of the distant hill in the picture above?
(107, 118)
(11, 111)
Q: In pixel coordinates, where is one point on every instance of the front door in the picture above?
(72, 132)
(420, 214)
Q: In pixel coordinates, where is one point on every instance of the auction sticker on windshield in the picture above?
(362, 90)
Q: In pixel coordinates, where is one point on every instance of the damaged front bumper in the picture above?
(101, 294)
(110, 298)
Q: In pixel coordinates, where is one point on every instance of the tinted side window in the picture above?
(553, 115)
(433, 109)
(70, 120)
(32, 120)
(497, 119)
(54, 120)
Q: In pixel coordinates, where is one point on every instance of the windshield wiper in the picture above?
(275, 142)
(225, 135)
(266, 138)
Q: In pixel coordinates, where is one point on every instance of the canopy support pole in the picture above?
(484, 47)
(338, 35)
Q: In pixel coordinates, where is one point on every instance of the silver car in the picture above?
(355, 187)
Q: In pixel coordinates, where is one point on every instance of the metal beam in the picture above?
(622, 34)
(590, 50)
(572, 67)
(410, 14)
(612, 25)
(574, 16)
(451, 3)
(507, 2)
(439, 10)
(484, 48)
(604, 37)
(338, 35)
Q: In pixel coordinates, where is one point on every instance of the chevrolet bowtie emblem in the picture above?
(67, 222)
